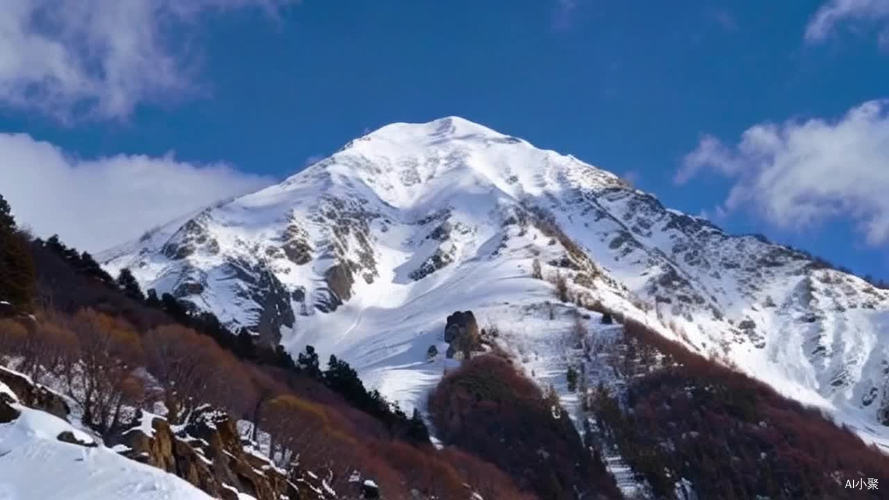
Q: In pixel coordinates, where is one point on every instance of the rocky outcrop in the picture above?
(34, 395)
(339, 279)
(462, 334)
(262, 287)
(296, 246)
(70, 438)
(439, 259)
(191, 237)
(208, 453)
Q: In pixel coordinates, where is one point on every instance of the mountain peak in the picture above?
(427, 164)
(441, 129)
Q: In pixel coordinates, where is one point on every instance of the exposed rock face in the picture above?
(209, 454)
(190, 238)
(34, 395)
(275, 311)
(339, 279)
(439, 259)
(254, 285)
(461, 333)
(296, 245)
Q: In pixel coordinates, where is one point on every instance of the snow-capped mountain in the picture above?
(365, 253)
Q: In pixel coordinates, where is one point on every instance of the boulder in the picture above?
(460, 323)
(7, 412)
(69, 437)
(462, 334)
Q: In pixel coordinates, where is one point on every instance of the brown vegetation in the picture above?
(730, 435)
(191, 369)
(489, 409)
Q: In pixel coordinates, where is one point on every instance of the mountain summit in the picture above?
(364, 254)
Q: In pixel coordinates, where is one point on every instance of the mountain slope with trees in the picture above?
(116, 359)
(364, 254)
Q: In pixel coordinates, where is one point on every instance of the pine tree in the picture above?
(6, 219)
(307, 363)
(151, 299)
(572, 379)
(17, 274)
(245, 348)
(343, 379)
(416, 430)
(283, 358)
(127, 282)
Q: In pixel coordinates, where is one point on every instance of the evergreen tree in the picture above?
(308, 363)
(342, 378)
(7, 221)
(572, 379)
(127, 282)
(172, 307)
(151, 299)
(245, 348)
(416, 430)
(283, 358)
(17, 274)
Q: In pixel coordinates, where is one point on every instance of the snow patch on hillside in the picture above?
(34, 464)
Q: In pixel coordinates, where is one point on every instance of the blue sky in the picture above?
(249, 93)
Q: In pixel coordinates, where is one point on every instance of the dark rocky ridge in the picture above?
(34, 395)
(209, 454)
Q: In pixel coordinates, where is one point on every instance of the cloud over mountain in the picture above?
(804, 172)
(96, 203)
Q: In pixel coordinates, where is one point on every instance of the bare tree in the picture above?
(50, 348)
(104, 380)
(13, 336)
(302, 432)
(191, 369)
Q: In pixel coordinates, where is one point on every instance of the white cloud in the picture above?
(99, 58)
(802, 173)
(854, 13)
(98, 203)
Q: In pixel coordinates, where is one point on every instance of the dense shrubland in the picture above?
(488, 408)
(730, 435)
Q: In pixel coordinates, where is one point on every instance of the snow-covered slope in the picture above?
(365, 253)
(35, 464)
